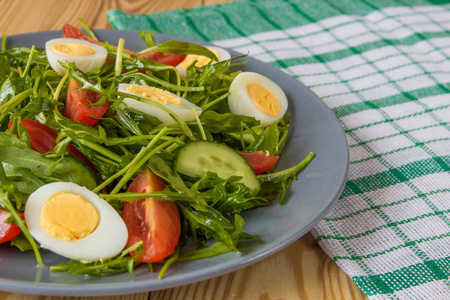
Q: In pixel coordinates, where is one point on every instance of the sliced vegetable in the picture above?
(260, 161)
(170, 59)
(154, 222)
(198, 158)
(79, 104)
(8, 231)
(70, 31)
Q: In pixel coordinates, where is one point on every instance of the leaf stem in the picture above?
(4, 43)
(215, 101)
(101, 150)
(168, 85)
(199, 123)
(13, 102)
(60, 86)
(169, 262)
(137, 166)
(282, 175)
(106, 160)
(88, 29)
(30, 58)
(118, 67)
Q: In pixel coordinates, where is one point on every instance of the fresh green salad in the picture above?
(114, 158)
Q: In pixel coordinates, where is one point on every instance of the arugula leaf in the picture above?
(283, 178)
(219, 248)
(147, 37)
(178, 47)
(207, 221)
(228, 122)
(120, 264)
(162, 169)
(8, 91)
(227, 196)
(88, 29)
(22, 243)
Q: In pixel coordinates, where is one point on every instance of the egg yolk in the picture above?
(73, 49)
(69, 217)
(154, 94)
(201, 60)
(263, 99)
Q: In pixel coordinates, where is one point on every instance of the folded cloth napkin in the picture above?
(383, 68)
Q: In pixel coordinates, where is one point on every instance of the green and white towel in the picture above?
(383, 67)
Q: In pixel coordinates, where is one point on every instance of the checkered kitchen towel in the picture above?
(383, 68)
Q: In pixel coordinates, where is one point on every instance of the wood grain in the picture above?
(300, 271)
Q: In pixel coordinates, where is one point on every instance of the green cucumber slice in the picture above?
(197, 158)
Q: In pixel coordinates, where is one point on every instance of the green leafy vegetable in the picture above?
(178, 47)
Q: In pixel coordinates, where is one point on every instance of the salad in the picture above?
(114, 158)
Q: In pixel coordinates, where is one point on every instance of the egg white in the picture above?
(240, 102)
(106, 241)
(84, 63)
(184, 111)
(222, 54)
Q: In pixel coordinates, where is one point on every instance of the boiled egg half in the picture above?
(84, 54)
(74, 222)
(220, 53)
(178, 105)
(255, 95)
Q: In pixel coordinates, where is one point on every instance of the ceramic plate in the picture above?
(314, 128)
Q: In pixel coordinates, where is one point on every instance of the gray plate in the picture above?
(314, 128)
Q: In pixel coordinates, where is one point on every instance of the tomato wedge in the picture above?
(43, 140)
(8, 231)
(260, 161)
(171, 59)
(155, 222)
(78, 104)
(70, 31)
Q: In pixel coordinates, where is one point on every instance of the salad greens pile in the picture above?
(126, 141)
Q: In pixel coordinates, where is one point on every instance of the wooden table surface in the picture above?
(300, 271)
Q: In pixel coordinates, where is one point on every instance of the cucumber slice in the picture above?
(197, 158)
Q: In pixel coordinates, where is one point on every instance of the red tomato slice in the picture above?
(70, 31)
(260, 161)
(43, 140)
(78, 104)
(151, 55)
(155, 222)
(42, 137)
(8, 231)
(171, 59)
